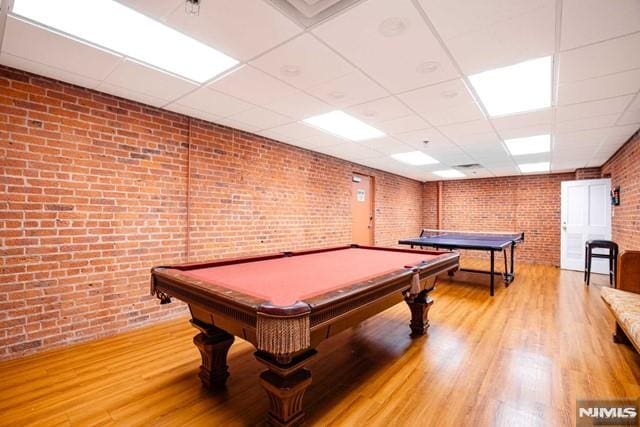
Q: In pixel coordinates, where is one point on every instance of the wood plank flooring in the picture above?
(520, 358)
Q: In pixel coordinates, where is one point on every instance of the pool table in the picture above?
(285, 304)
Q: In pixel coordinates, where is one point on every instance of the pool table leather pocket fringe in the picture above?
(283, 336)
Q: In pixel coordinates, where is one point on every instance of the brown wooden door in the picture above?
(362, 209)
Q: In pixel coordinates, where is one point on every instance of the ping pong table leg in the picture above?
(513, 255)
(506, 273)
(492, 271)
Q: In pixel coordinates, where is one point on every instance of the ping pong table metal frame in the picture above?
(509, 271)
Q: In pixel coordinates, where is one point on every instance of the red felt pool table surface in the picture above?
(286, 280)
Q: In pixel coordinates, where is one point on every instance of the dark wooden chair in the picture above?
(612, 256)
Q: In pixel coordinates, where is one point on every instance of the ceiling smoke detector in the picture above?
(310, 12)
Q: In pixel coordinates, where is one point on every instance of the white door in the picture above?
(585, 215)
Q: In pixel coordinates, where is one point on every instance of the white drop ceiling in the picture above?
(400, 66)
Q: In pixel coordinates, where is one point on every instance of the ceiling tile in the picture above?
(532, 158)
(474, 132)
(608, 57)
(541, 117)
(296, 130)
(494, 33)
(402, 124)
(408, 56)
(586, 123)
(131, 94)
(592, 109)
(505, 170)
(303, 62)
(321, 139)
(562, 165)
(351, 89)
(386, 163)
(132, 76)
(349, 151)
(36, 44)
(580, 139)
(156, 9)
(597, 162)
(444, 103)
(635, 105)
(299, 105)
(489, 153)
(450, 157)
(252, 85)
(192, 112)
(418, 137)
(525, 131)
(261, 118)
(387, 145)
(589, 21)
(380, 110)
(630, 117)
(476, 173)
(236, 124)
(241, 29)
(273, 134)
(599, 88)
(48, 71)
(213, 102)
(620, 134)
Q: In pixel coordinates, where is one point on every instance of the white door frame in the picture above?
(591, 221)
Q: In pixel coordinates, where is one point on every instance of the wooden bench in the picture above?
(624, 300)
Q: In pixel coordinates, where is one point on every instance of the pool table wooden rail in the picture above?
(221, 313)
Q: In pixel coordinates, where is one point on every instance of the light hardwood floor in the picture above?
(520, 358)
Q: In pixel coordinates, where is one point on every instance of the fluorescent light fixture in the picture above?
(415, 158)
(521, 87)
(111, 25)
(534, 167)
(342, 124)
(529, 145)
(449, 173)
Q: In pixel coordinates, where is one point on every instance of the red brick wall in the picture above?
(94, 193)
(624, 169)
(518, 203)
(430, 210)
(588, 173)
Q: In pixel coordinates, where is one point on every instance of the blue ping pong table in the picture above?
(491, 242)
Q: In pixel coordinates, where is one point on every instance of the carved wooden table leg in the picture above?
(213, 344)
(285, 382)
(419, 305)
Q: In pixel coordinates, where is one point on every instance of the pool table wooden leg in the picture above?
(285, 382)
(213, 344)
(419, 305)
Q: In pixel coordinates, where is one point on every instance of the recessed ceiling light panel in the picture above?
(449, 173)
(342, 124)
(534, 167)
(415, 158)
(517, 88)
(111, 25)
(529, 145)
